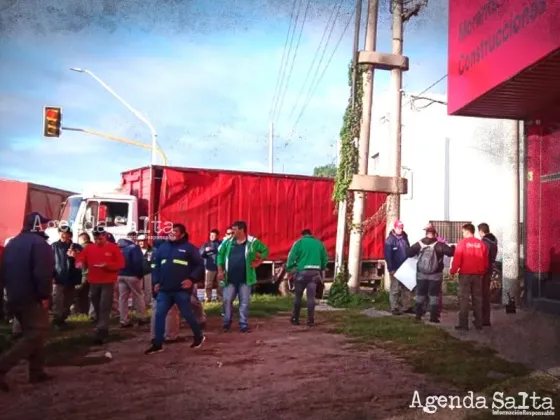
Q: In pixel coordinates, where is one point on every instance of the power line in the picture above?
(314, 80)
(322, 75)
(279, 110)
(442, 78)
(296, 105)
(288, 59)
(280, 71)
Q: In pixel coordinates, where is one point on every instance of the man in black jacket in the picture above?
(27, 270)
(429, 272)
(209, 252)
(66, 277)
(492, 244)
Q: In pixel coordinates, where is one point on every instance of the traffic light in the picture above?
(52, 121)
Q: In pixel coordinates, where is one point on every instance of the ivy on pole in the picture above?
(348, 165)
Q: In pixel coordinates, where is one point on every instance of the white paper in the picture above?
(406, 273)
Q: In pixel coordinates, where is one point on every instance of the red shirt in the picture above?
(471, 257)
(109, 255)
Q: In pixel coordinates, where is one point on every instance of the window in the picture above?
(70, 210)
(106, 213)
(451, 231)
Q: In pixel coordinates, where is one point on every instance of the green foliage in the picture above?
(326, 171)
(350, 129)
(262, 306)
(339, 295)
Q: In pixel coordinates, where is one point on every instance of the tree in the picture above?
(326, 171)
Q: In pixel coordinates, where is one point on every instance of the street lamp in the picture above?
(129, 107)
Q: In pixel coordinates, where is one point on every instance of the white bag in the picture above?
(406, 273)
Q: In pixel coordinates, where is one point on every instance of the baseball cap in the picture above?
(35, 219)
(430, 228)
(98, 230)
(398, 225)
(141, 237)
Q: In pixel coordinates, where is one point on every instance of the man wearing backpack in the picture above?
(429, 272)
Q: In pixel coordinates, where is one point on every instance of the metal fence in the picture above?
(450, 230)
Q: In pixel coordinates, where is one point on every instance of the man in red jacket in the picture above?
(471, 262)
(103, 260)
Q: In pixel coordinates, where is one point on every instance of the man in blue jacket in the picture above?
(177, 266)
(66, 277)
(130, 281)
(396, 247)
(27, 269)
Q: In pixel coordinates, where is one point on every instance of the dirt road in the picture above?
(275, 372)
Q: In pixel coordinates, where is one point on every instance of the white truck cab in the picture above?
(115, 211)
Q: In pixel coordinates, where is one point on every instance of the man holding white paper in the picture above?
(429, 272)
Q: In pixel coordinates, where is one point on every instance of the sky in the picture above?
(204, 73)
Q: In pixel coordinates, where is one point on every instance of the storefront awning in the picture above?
(527, 95)
(504, 58)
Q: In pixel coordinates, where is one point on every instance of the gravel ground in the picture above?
(276, 372)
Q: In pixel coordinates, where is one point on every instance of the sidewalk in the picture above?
(527, 337)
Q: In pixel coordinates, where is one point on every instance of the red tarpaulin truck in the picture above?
(19, 198)
(276, 208)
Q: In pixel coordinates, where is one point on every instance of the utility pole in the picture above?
(394, 200)
(271, 148)
(343, 205)
(355, 243)
(511, 237)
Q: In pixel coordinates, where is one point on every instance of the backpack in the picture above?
(428, 262)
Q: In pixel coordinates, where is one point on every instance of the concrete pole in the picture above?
(510, 237)
(343, 205)
(271, 148)
(394, 200)
(355, 243)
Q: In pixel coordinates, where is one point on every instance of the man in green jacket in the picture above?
(307, 259)
(237, 259)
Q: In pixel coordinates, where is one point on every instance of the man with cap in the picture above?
(27, 271)
(396, 247)
(103, 260)
(429, 272)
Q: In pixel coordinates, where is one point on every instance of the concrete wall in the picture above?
(476, 173)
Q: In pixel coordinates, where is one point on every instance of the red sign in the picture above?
(491, 41)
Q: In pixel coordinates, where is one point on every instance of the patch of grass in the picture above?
(450, 287)
(261, 306)
(430, 350)
(339, 295)
(72, 350)
(67, 347)
(381, 300)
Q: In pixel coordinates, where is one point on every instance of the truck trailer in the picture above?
(276, 208)
(20, 198)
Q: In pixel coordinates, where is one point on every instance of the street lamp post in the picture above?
(136, 113)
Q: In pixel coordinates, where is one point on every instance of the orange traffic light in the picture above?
(52, 121)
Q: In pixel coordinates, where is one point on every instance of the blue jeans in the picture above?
(242, 291)
(164, 302)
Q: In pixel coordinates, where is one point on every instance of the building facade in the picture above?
(504, 62)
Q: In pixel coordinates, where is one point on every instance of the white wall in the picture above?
(477, 178)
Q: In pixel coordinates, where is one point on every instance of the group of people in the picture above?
(473, 260)
(34, 273)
